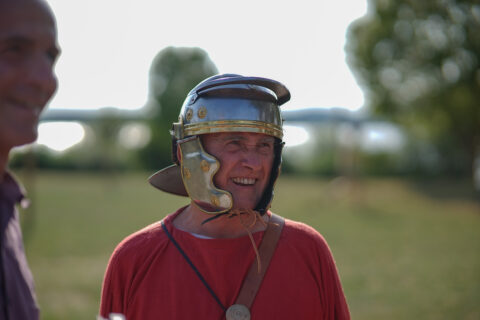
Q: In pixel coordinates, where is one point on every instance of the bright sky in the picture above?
(108, 46)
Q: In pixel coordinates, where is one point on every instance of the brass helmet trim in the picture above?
(233, 126)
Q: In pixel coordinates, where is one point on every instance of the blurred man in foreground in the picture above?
(28, 51)
(226, 255)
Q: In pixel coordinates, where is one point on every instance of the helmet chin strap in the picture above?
(232, 213)
(267, 197)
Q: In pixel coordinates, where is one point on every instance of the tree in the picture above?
(173, 73)
(418, 62)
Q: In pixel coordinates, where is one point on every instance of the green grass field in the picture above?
(403, 250)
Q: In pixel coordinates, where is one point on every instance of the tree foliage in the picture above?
(419, 64)
(173, 73)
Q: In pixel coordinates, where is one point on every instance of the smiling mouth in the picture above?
(244, 181)
(29, 107)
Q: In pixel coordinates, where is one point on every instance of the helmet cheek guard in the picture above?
(224, 103)
(199, 166)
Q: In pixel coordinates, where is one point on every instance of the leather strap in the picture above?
(252, 282)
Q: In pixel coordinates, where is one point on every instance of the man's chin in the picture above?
(26, 139)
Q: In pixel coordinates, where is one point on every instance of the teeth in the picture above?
(246, 181)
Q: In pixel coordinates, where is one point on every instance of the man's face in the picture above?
(245, 164)
(28, 51)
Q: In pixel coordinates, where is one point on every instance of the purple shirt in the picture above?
(17, 295)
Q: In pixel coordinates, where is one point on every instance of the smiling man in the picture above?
(28, 51)
(225, 255)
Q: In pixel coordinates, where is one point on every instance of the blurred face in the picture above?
(28, 51)
(245, 164)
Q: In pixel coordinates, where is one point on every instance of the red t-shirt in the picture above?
(147, 277)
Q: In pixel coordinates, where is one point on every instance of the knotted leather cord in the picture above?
(199, 275)
(256, 217)
(241, 213)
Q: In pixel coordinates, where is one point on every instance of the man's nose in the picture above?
(251, 158)
(41, 75)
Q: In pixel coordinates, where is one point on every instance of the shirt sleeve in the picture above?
(335, 304)
(113, 291)
(311, 255)
(131, 258)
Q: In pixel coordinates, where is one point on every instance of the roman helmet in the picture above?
(222, 103)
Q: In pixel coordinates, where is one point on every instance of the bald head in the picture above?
(41, 6)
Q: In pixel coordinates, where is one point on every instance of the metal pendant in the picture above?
(238, 312)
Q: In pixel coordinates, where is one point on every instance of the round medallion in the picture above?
(186, 173)
(202, 112)
(238, 312)
(189, 114)
(204, 165)
(214, 200)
